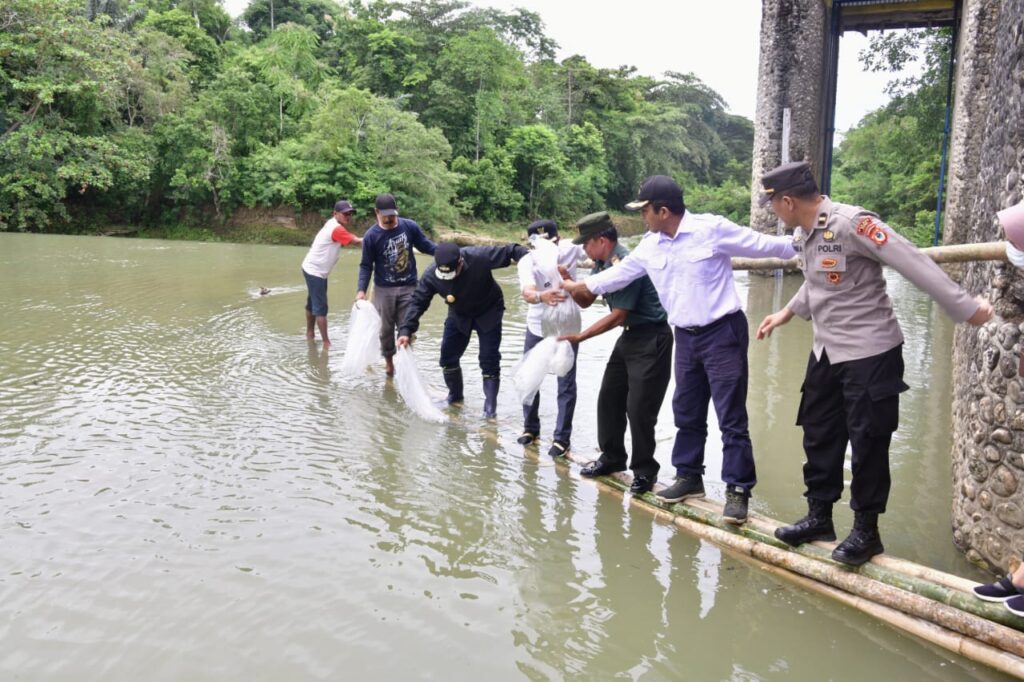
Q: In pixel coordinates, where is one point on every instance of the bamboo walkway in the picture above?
(934, 606)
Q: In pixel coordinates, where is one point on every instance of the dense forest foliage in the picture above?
(170, 111)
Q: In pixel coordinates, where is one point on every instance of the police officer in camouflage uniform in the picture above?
(855, 370)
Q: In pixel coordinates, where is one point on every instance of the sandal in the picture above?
(527, 438)
(559, 448)
(1001, 590)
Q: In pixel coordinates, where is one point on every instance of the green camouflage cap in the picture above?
(591, 225)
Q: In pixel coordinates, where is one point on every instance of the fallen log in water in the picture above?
(930, 604)
(954, 253)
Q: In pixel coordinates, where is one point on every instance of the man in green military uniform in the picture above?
(855, 370)
(638, 371)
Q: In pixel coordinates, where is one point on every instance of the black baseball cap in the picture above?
(343, 206)
(544, 228)
(447, 259)
(386, 205)
(659, 188)
(794, 177)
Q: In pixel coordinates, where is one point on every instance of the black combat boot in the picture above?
(453, 380)
(491, 396)
(817, 525)
(862, 543)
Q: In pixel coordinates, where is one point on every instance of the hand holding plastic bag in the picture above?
(549, 356)
(410, 386)
(564, 317)
(363, 347)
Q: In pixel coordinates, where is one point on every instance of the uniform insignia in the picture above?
(449, 299)
(828, 235)
(797, 238)
(878, 236)
(864, 225)
(615, 259)
(822, 220)
(829, 262)
(833, 277)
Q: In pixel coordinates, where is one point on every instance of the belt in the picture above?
(697, 331)
(645, 325)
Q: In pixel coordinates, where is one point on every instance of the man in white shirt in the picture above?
(318, 263)
(687, 257)
(538, 290)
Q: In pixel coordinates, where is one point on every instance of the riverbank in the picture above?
(286, 227)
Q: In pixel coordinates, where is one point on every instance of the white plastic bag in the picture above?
(410, 387)
(564, 318)
(549, 356)
(363, 348)
(562, 359)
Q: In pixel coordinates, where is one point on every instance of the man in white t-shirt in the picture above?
(538, 290)
(318, 263)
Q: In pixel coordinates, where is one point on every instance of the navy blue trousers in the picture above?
(711, 366)
(566, 397)
(454, 343)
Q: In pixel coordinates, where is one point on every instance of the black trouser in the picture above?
(634, 384)
(857, 402)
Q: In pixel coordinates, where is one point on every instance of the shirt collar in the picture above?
(686, 225)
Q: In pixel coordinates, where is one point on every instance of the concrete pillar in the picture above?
(790, 75)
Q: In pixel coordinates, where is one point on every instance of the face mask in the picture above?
(1015, 255)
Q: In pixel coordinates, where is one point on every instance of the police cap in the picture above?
(789, 178)
(590, 226)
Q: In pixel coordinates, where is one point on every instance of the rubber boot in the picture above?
(491, 396)
(862, 543)
(453, 380)
(817, 525)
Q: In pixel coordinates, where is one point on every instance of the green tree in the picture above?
(61, 80)
(890, 161)
(540, 166)
(288, 63)
(475, 92)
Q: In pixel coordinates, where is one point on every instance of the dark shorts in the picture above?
(316, 302)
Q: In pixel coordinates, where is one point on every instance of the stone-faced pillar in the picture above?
(988, 400)
(793, 36)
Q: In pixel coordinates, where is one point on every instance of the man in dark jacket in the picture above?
(463, 278)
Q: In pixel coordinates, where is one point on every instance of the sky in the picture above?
(717, 40)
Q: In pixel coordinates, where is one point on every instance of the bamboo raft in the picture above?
(929, 604)
(934, 606)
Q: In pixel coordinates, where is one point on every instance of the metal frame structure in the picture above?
(875, 15)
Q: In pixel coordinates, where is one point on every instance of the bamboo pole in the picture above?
(703, 520)
(953, 253)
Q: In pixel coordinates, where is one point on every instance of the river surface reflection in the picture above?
(191, 490)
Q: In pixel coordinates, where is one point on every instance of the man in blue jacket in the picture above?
(388, 256)
(463, 278)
